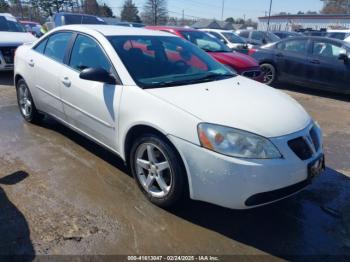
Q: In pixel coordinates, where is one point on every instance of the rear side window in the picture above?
(56, 46)
(40, 48)
(87, 53)
(297, 46)
(326, 49)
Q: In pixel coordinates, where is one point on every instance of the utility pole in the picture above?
(183, 17)
(268, 21)
(222, 10)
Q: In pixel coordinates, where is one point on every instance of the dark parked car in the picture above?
(130, 24)
(286, 34)
(317, 62)
(64, 18)
(257, 38)
(321, 33)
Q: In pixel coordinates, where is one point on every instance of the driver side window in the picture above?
(87, 53)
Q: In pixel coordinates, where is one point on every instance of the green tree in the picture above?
(155, 12)
(91, 7)
(4, 6)
(106, 11)
(129, 12)
(230, 20)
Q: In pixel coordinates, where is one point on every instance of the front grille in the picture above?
(8, 54)
(315, 138)
(301, 148)
(251, 74)
(271, 196)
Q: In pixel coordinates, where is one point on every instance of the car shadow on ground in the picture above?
(312, 91)
(313, 222)
(14, 229)
(6, 78)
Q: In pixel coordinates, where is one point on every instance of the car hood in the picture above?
(236, 60)
(15, 38)
(240, 103)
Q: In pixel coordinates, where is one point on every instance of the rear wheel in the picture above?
(26, 103)
(158, 170)
(269, 71)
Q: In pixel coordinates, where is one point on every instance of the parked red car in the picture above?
(241, 63)
(32, 27)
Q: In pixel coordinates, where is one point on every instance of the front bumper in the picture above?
(232, 182)
(7, 58)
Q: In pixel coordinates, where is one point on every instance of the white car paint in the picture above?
(106, 113)
(12, 40)
(228, 42)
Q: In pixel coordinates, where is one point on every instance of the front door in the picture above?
(291, 58)
(90, 106)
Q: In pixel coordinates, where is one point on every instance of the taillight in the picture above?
(252, 51)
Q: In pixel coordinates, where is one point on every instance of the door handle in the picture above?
(66, 82)
(280, 55)
(315, 61)
(31, 63)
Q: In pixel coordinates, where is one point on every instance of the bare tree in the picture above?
(336, 7)
(155, 12)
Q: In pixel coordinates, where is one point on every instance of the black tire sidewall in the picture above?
(273, 70)
(178, 188)
(34, 116)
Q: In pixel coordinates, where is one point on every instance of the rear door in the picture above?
(90, 106)
(327, 70)
(46, 62)
(292, 60)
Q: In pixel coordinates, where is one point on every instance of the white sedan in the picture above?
(185, 124)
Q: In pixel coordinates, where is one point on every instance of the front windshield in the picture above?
(205, 41)
(163, 61)
(9, 24)
(233, 38)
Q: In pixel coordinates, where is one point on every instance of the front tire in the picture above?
(158, 170)
(26, 103)
(270, 73)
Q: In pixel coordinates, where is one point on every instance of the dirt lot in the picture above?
(61, 194)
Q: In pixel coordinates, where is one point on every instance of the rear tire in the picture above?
(158, 170)
(270, 73)
(26, 103)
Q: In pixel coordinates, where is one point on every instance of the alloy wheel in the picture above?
(25, 100)
(153, 170)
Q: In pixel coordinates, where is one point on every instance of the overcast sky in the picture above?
(235, 8)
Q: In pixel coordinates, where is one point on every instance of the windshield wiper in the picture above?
(206, 78)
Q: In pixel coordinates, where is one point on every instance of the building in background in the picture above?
(314, 22)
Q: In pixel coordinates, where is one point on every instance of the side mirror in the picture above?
(264, 41)
(344, 57)
(98, 75)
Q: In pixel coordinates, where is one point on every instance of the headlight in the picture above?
(236, 143)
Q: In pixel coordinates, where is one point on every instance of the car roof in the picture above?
(7, 14)
(112, 30)
(315, 38)
(29, 22)
(216, 30)
(339, 31)
(174, 28)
